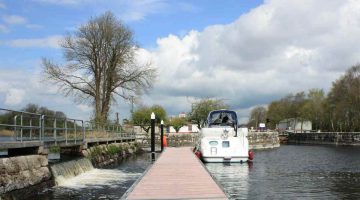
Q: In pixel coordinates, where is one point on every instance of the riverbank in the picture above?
(327, 138)
(17, 173)
(106, 154)
(263, 140)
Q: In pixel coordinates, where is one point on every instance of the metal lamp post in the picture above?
(162, 135)
(152, 136)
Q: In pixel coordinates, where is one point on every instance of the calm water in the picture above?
(294, 172)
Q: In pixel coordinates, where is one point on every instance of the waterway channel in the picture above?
(294, 172)
(107, 183)
(288, 172)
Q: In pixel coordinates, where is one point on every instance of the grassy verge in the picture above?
(6, 133)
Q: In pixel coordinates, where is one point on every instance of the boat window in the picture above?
(213, 143)
(222, 118)
(225, 144)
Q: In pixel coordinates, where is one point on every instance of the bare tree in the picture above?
(100, 65)
(257, 115)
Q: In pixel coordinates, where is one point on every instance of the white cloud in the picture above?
(2, 5)
(85, 108)
(137, 10)
(127, 10)
(62, 2)
(33, 26)
(20, 87)
(277, 48)
(48, 42)
(14, 96)
(4, 29)
(14, 19)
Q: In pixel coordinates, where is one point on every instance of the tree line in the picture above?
(10, 118)
(339, 110)
(198, 114)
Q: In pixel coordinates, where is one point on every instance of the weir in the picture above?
(70, 169)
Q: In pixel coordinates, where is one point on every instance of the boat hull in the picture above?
(215, 148)
(224, 159)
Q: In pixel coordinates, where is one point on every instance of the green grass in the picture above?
(54, 149)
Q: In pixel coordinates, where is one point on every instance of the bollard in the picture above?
(162, 135)
(152, 136)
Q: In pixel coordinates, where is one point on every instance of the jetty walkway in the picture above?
(177, 174)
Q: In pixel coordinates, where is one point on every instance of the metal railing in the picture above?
(23, 126)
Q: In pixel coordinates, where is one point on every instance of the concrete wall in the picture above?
(352, 138)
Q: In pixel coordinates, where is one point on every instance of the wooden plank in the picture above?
(177, 174)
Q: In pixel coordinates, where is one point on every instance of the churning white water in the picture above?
(97, 178)
(70, 169)
(80, 173)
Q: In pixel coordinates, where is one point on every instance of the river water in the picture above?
(288, 172)
(109, 183)
(294, 172)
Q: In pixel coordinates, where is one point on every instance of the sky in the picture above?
(246, 52)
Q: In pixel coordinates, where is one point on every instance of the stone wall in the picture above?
(23, 171)
(263, 140)
(106, 154)
(333, 138)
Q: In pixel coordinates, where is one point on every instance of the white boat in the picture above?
(222, 141)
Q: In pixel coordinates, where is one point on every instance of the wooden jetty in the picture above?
(177, 174)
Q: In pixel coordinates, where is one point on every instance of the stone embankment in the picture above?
(23, 171)
(263, 140)
(106, 154)
(332, 138)
(33, 170)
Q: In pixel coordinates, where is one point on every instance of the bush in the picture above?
(113, 149)
(54, 149)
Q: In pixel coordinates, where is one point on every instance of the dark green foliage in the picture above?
(141, 117)
(113, 149)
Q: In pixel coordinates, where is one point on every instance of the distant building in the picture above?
(189, 128)
(182, 115)
(294, 125)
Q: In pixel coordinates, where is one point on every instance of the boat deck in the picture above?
(177, 174)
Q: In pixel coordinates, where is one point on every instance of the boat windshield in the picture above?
(222, 118)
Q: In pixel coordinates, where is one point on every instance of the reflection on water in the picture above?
(301, 172)
(231, 176)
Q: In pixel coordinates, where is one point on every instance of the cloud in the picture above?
(127, 10)
(137, 10)
(4, 29)
(62, 2)
(14, 19)
(20, 87)
(33, 26)
(2, 5)
(48, 42)
(14, 96)
(277, 48)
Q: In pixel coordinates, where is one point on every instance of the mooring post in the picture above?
(162, 135)
(152, 136)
